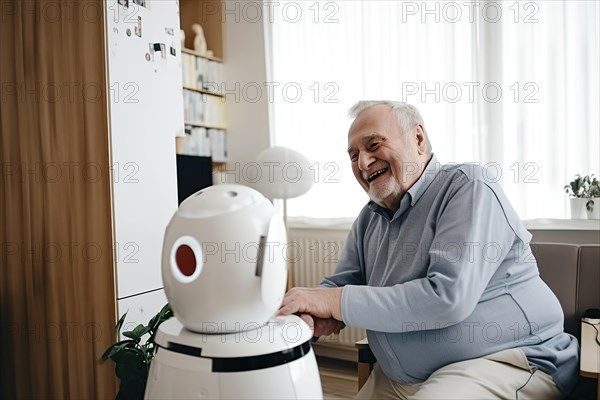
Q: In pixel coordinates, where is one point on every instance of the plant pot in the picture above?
(578, 210)
(595, 213)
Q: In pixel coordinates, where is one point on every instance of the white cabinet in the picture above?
(146, 113)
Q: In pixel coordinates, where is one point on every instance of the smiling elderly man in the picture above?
(438, 269)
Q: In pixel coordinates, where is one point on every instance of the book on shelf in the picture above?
(203, 109)
(201, 73)
(218, 144)
(206, 142)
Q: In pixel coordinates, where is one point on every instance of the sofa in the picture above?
(573, 273)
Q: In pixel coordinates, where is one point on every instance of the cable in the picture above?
(596, 328)
(525, 384)
(535, 368)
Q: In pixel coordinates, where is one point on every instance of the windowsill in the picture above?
(540, 224)
(341, 224)
(548, 224)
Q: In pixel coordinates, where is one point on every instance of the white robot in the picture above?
(224, 274)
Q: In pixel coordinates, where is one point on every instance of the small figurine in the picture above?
(199, 41)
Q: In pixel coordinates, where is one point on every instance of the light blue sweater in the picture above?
(448, 278)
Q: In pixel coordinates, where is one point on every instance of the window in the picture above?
(511, 85)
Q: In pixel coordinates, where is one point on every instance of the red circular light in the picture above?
(186, 260)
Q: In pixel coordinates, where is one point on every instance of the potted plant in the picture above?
(593, 204)
(133, 355)
(585, 193)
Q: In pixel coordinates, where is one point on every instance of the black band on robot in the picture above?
(183, 349)
(240, 364)
(251, 363)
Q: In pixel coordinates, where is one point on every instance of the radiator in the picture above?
(314, 254)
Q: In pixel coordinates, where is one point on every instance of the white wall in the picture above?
(248, 114)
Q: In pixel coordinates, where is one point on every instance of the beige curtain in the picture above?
(57, 291)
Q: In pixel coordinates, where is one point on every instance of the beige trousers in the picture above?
(502, 375)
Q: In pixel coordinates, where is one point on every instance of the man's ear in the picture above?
(421, 142)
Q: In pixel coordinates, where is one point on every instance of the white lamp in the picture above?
(285, 174)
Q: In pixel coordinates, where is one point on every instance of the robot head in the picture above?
(223, 262)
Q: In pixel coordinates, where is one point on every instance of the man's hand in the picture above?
(323, 327)
(319, 302)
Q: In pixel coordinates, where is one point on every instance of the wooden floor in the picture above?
(338, 378)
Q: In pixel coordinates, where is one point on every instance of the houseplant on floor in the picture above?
(132, 356)
(585, 193)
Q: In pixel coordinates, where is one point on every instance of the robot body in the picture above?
(224, 273)
(272, 362)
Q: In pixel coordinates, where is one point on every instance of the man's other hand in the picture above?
(319, 302)
(321, 326)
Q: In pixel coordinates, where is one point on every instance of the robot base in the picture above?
(274, 361)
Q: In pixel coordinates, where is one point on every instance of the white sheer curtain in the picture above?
(511, 85)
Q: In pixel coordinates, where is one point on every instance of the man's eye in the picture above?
(374, 146)
(353, 157)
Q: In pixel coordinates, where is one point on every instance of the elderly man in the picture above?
(438, 269)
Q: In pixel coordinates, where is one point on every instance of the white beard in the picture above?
(379, 191)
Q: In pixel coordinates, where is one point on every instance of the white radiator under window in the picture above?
(313, 255)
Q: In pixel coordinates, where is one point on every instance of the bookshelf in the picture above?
(201, 91)
(203, 83)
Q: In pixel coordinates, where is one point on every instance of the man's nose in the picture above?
(365, 159)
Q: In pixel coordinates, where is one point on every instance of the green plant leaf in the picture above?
(116, 348)
(119, 326)
(590, 205)
(133, 356)
(137, 332)
(141, 330)
(164, 314)
(156, 320)
(583, 187)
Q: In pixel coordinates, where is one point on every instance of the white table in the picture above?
(589, 363)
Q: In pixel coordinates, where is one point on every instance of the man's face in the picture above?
(385, 161)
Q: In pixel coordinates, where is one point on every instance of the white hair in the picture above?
(407, 115)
